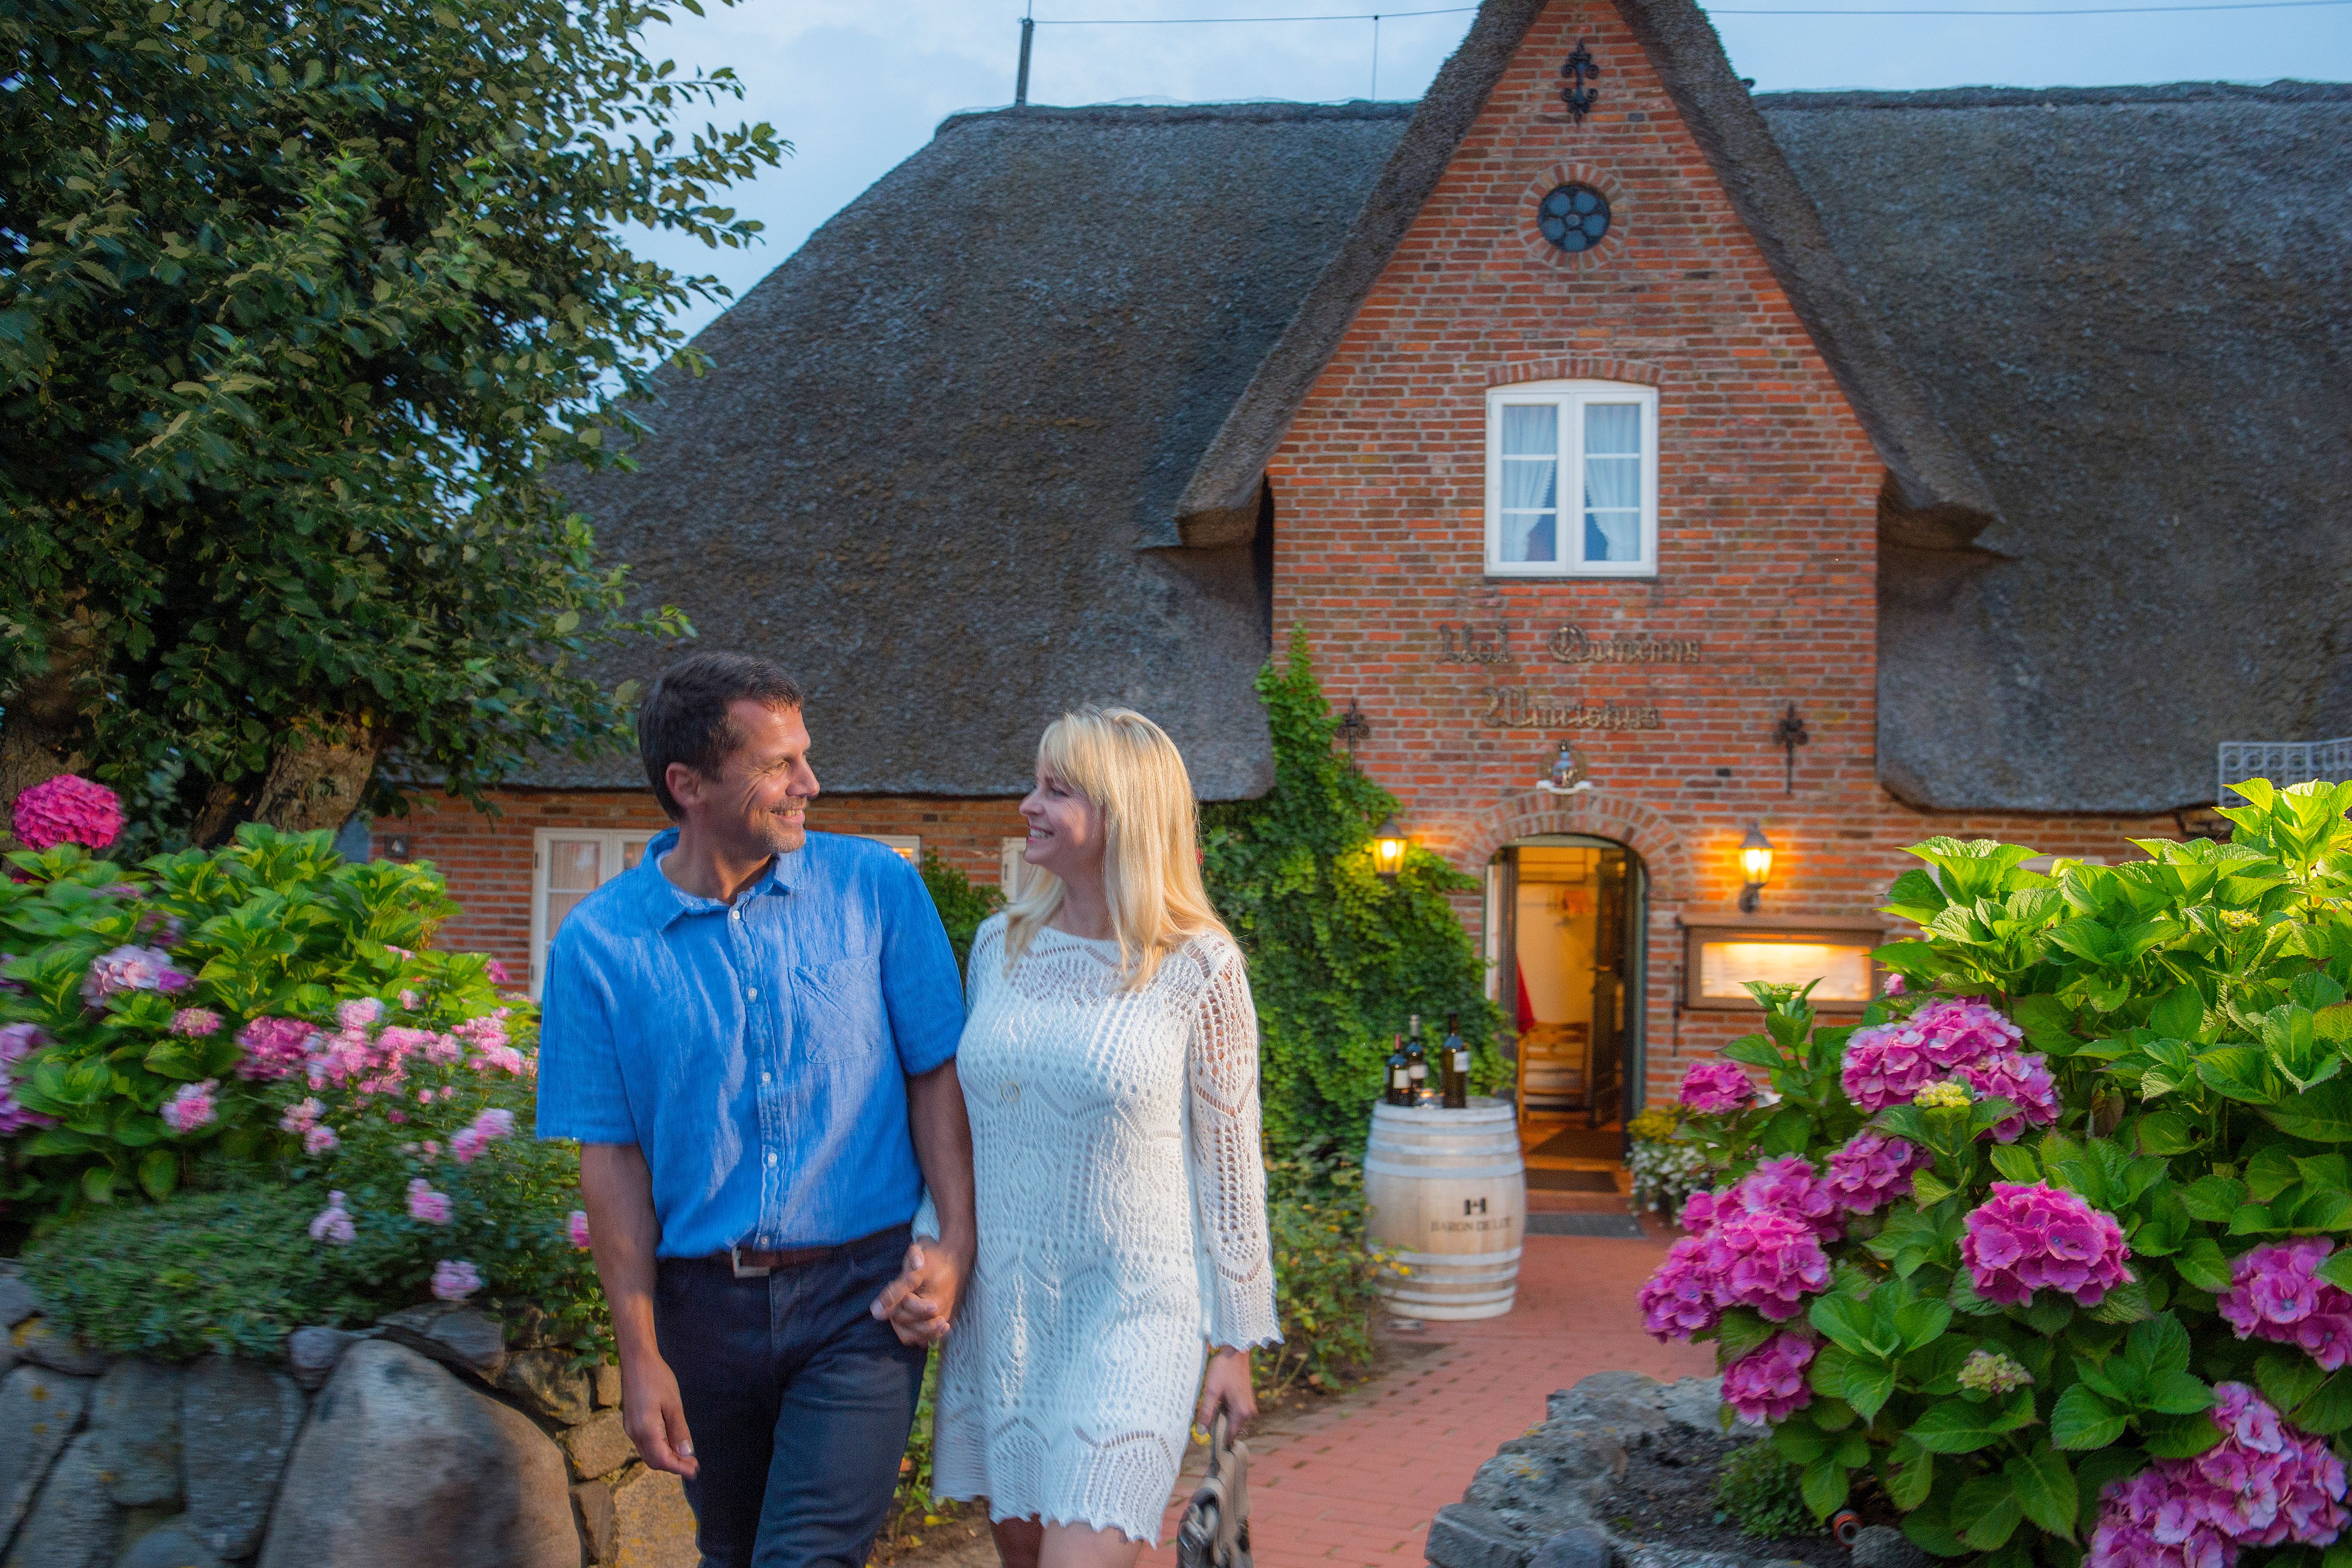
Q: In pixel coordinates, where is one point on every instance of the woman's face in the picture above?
(1066, 830)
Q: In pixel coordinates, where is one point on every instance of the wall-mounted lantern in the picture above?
(1388, 850)
(1755, 868)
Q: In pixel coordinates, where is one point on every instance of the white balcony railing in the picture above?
(2282, 763)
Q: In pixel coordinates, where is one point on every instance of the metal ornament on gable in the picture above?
(1580, 98)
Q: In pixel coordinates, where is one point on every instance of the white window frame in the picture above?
(909, 846)
(615, 840)
(1571, 398)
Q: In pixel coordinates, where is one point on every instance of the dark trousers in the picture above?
(799, 1403)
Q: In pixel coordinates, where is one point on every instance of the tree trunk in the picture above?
(37, 734)
(318, 775)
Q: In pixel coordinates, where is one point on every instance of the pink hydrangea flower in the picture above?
(18, 1041)
(13, 1117)
(2027, 1237)
(195, 1023)
(410, 1000)
(1769, 1382)
(191, 1107)
(131, 969)
(426, 1204)
(67, 809)
(1768, 1262)
(2276, 1294)
(302, 1116)
(333, 1222)
(486, 1129)
(500, 1058)
(498, 972)
(1885, 1064)
(1894, 986)
(2264, 1484)
(454, 1280)
(1715, 1088)
(1789, 1185)
(2020, 1077)
(1956, 1032)
(1873, 1170)
(1678, 1300)
(274, 1047)
(359, 1013)
(575, 1229)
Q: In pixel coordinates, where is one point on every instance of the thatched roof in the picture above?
(2132, 306)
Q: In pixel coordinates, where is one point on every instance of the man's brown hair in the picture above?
(684, 718)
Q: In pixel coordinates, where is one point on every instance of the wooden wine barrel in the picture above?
(1449, 1197)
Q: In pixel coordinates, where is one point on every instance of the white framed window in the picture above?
(1572, 479)
(567, 864)
(1011, 870)
(909, 846)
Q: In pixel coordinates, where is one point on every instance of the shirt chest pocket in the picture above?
(837, 1012)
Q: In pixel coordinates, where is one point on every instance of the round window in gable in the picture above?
(1573, 217)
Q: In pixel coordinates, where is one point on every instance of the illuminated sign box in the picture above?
(1720, 961)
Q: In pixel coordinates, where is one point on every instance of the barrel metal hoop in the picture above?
(1460, 1173)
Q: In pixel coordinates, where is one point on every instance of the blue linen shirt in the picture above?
(757, 1054)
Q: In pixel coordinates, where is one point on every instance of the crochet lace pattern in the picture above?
(1122, 1220)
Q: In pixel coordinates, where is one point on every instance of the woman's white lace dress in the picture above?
(1122, 1221)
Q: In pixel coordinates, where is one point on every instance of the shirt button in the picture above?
(764, 1076)
(772, 1156)
(753, 994)
(734, 914)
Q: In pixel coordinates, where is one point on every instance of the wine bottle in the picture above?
(1458, 1065)
(1399, 1090)
(1416, 1062)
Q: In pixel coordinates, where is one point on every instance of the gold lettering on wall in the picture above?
(1517, 708)
(1570, 646)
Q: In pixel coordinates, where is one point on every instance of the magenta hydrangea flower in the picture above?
(67, 809)
(575, 1229)
(1768, 1381)
(131, 969)
(1894, 986)
(18, 1041)
(2276, 1294)
(426, 1204)
(195, 1023)
(1716, 1088)
(454, 1280)
(1885, 1066)
(274, 1047)
(191, 1107)
(1768, 1262)
(2027, 1237)
(358, 1014)
(1957, 1032)
(2021, 1079)
(13, 1117)
(1873, 1170)
(1790, 1185)
(1678, 1300)
(2264, 1484)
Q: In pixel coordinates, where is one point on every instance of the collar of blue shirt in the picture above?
(664, 901)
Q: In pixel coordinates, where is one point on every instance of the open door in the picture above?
(1564, 925)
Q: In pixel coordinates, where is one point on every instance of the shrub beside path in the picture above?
(1356, 1480)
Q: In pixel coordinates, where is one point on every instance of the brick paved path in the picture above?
(1356, 1481)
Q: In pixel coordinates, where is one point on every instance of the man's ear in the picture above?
(687, 787)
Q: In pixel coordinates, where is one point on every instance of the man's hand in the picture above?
(654, 1418)
(919, 1305)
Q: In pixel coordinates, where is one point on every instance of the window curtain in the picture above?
(1613, 481)
(1530, 482)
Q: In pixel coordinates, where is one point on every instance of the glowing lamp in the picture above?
(1388, 850)
(1755, 868)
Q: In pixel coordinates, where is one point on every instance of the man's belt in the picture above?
(754, 1263)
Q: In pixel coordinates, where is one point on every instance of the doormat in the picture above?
(1571, 1181)
(1607, 1226)
(1582, 1144)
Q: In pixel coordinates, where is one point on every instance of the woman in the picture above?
(1110, 1062)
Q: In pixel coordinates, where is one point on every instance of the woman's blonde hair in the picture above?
(1133, 772)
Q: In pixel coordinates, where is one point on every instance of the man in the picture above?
(753, 1036)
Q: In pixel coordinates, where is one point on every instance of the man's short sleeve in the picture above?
(919, 982)
(581, 1094)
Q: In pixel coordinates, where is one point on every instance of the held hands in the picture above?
(919, 1305)
(654, 1418)
(1227, 1384)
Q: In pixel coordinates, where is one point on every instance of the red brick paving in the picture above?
(1358, 1482)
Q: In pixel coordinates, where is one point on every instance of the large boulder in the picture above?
(73, 1524)
(135, 1412)
(237, 1422)
(169, 1545)
(40, 1411)
(451, 1333)
(402, 1464)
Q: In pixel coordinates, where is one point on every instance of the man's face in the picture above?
(757, 805)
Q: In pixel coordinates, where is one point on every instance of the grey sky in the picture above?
(857, 86)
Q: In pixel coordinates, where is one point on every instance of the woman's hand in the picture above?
(1227, 1384)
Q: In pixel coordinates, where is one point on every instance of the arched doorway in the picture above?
(1566, 918)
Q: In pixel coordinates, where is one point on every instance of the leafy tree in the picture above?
(1337, 958)
(300, 305)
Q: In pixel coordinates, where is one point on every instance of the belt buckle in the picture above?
(735, 1260)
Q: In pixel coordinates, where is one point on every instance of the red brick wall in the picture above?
(1768, 501)
(487, 860)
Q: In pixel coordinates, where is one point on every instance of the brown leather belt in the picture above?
(752, 1263)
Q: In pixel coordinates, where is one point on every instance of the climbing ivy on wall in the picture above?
(1337, 958)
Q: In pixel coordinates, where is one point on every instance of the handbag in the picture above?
(1214, 1533)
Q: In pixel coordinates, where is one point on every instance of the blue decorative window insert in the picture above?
(1573, 217)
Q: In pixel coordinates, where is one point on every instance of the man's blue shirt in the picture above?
(756, 1053)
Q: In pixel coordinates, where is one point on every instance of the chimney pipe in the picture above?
(1021, 83)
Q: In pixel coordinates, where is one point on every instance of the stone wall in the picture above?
(423, 1442)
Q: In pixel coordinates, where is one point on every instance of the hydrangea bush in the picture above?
(2044, 1260)
(1666, 1167)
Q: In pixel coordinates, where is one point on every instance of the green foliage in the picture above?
(961, 905)
(1760, 1491)
(1326, 1270)
(270, 924)
(300, 307)
(1337, 958)
(1666, 1167)
(224, 1271)
(2191, 1006)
